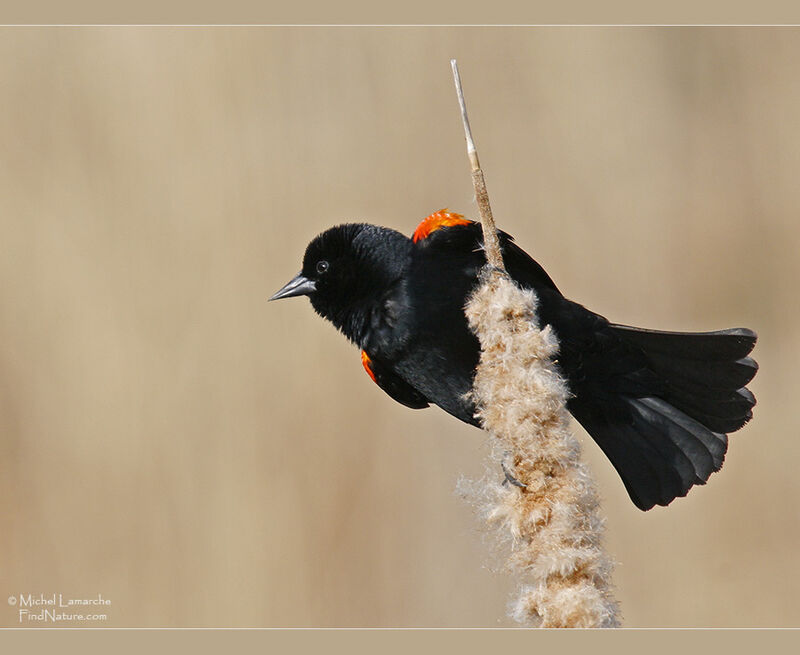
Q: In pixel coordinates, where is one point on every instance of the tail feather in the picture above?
(713, 374)
(734, 343)
(717, 416)
(650, 477)
(698, 380)
(674, 436)
(703, 447)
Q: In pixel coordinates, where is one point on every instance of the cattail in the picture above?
(550, 510)
(553, 521)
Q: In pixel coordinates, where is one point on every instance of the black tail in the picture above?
(665, 441)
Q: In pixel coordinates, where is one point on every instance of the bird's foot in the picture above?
(510, 479)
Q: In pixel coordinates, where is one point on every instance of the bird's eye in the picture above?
(322, 266)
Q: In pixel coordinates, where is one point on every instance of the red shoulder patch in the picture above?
(367, 363)
(442, 218)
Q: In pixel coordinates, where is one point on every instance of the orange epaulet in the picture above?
(367, 363)
(442, 218)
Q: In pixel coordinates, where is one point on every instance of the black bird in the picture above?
(659, 404)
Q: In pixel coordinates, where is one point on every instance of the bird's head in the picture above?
(346, 272)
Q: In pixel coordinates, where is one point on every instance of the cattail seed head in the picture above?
(553, 519)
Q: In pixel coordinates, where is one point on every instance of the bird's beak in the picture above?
(299, 285)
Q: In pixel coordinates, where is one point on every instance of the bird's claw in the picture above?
(510, 478)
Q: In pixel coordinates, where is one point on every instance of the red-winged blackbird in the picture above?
(659, 404)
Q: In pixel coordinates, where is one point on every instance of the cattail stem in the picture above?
(550, 512)
(491, 243)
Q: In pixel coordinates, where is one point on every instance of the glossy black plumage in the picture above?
(659, 404)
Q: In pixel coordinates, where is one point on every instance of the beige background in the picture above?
(201, 458)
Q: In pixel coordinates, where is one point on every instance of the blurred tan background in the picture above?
(202, 458)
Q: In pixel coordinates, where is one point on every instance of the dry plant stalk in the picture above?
(490, 240)
(551, 514)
